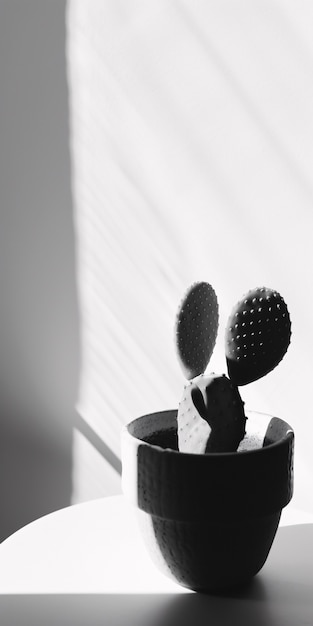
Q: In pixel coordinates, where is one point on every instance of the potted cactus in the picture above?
(210, 479)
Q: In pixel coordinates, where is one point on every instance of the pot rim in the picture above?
(249, 412)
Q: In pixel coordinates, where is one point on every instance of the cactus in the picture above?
(211, 415)
(257, 335)
(196, 328)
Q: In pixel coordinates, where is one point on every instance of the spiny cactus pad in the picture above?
(192, 430)
(196, 328)
(222, 407)
(210, 416)
(257, 335)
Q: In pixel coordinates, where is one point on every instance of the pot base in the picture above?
(209, 558)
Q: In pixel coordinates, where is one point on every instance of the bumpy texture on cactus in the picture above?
(257, 335)
(211, 416)
(196, 328)
(193, 431)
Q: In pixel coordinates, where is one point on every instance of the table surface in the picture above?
(86, 564)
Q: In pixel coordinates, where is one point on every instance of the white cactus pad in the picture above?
(193, 430)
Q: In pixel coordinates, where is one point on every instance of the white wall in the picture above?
(39, 341)
(193, 152)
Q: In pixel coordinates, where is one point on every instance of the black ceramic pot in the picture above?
(208, 520)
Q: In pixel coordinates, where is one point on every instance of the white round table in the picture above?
(86, 564)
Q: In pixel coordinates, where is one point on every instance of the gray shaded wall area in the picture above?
(39, 336)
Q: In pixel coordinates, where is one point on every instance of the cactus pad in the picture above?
(211, 416)
(223, 409)
(193, 431)
(257, 335)
(196, 328)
